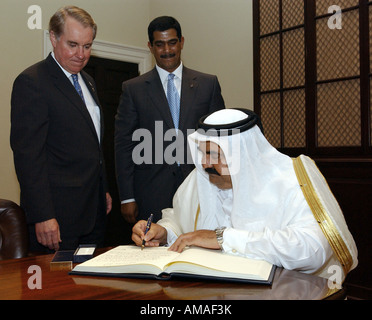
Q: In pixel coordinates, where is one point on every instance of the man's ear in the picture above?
(53, 38)
(182, 42)
(150, 46)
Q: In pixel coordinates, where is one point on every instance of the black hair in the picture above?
(161, 24)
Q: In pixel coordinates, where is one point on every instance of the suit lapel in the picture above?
(90, 87)
(157, 95)
(63, 84)
(188, 92)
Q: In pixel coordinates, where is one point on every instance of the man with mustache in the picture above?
(256, 202)
(160, 104)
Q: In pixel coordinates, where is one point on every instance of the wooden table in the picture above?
(19, 279)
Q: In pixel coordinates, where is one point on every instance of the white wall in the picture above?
(218, 40)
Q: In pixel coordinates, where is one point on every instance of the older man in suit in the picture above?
(56, 135)
(164, 103)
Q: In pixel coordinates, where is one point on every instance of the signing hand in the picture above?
(157, 235)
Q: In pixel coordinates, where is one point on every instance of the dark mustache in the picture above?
(167, 56)
(212, 171)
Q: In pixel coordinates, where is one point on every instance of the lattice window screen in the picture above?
(338, 103)
(310, 87)
(293, 13)
(338, 50)
(294, 118)
(270, 104)
(282, 46)
(270, 67)
(339, 114)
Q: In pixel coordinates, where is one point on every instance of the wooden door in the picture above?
(109, 76)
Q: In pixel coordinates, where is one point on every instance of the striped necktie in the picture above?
(173, 100)
(77, 86)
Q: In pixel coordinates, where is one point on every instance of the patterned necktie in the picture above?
(77, 86)
(173, 100)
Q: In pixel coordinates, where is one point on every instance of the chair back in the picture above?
(13, 231)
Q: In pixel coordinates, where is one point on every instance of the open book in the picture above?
(159, 263)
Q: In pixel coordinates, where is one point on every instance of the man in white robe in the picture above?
(246, 198)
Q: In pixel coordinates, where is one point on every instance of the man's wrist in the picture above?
(219, 235)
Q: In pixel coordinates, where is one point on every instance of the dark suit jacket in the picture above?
(144, 105)
(57, 154)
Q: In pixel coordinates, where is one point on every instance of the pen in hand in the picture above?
(149, 221)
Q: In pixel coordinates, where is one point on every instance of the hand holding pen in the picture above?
(155, 237)
(148, 226)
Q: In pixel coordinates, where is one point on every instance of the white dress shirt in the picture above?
(90, 103)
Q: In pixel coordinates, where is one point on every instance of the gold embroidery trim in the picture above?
(197, 217)
(321, 216)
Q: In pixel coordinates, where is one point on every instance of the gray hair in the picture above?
(57, 21)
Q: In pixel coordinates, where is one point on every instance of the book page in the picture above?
(219, 263)
(132, 255)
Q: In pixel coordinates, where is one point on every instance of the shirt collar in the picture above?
(68, 74)
(163, 74)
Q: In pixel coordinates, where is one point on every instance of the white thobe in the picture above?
(294, 241)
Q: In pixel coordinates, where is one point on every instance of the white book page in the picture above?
(132, 255)
(229, 264)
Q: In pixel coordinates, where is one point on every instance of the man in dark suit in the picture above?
(56, 135)
(150, 139)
